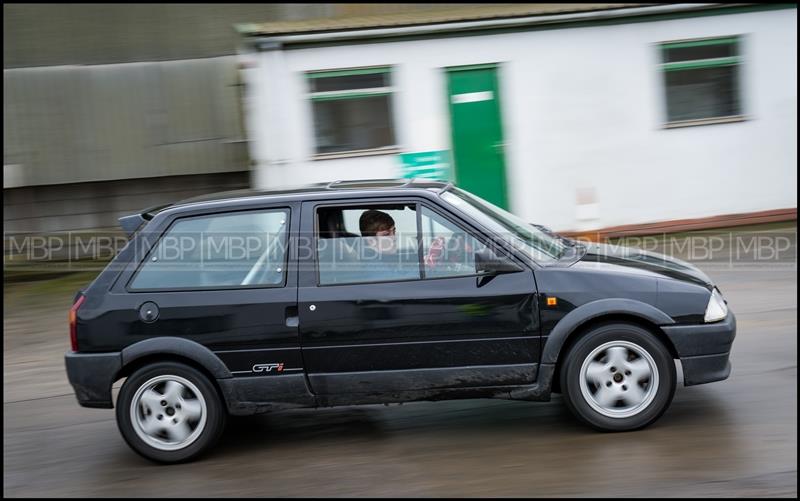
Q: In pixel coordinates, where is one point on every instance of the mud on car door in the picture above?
(383, 329)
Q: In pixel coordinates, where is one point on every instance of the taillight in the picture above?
(73, 322)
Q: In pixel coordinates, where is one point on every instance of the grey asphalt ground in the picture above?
(732, 438)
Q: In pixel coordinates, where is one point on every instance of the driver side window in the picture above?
(447, 249)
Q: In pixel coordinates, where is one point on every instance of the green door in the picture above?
(477, 131)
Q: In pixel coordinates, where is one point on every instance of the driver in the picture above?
(380, 236)
(384, 259)
(379, 258)
(379, 230)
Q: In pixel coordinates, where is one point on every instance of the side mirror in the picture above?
(489, 263)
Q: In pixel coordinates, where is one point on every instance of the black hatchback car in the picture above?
(375, 292)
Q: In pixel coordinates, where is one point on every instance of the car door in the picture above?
(420, 332)
(222, 279)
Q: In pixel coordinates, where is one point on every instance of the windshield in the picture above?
(539, 245)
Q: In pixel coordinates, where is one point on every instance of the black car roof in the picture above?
(307, 191)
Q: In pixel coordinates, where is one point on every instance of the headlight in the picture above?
(716, 309)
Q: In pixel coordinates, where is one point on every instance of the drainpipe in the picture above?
(266, 115)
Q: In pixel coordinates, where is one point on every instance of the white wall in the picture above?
(582, 109)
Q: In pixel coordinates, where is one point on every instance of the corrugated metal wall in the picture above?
(110, 108)
(79, 206)
(68, 124)
(101, 33)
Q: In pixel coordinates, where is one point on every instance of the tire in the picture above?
(191, 421)
(611, 398)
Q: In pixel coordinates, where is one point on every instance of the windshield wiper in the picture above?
(571, 248)
(544, 229)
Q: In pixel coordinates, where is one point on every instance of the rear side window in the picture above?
(220, 250)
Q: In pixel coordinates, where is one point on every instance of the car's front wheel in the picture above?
(618, 377)
(169, 412)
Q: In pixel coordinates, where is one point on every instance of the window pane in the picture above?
(223, 250)
(701, 52)
(353, 124)
(702, 93)
(349, 82)
(367, 244)
(447, 249)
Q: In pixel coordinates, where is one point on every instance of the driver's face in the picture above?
(386, 233)
(386, 240)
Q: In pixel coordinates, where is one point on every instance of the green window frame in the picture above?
(352, 93)
(720, 73)
(351, 96)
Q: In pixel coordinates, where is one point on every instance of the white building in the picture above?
(577, 116)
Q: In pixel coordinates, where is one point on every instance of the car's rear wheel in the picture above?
(169, 412)
(618, 377)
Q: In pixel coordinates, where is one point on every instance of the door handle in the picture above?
(292, 320)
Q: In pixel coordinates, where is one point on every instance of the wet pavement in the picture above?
(732, 438)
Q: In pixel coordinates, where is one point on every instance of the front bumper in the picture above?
(91, 376)
(704, 349)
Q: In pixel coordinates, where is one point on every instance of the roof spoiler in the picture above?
(131, 223)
